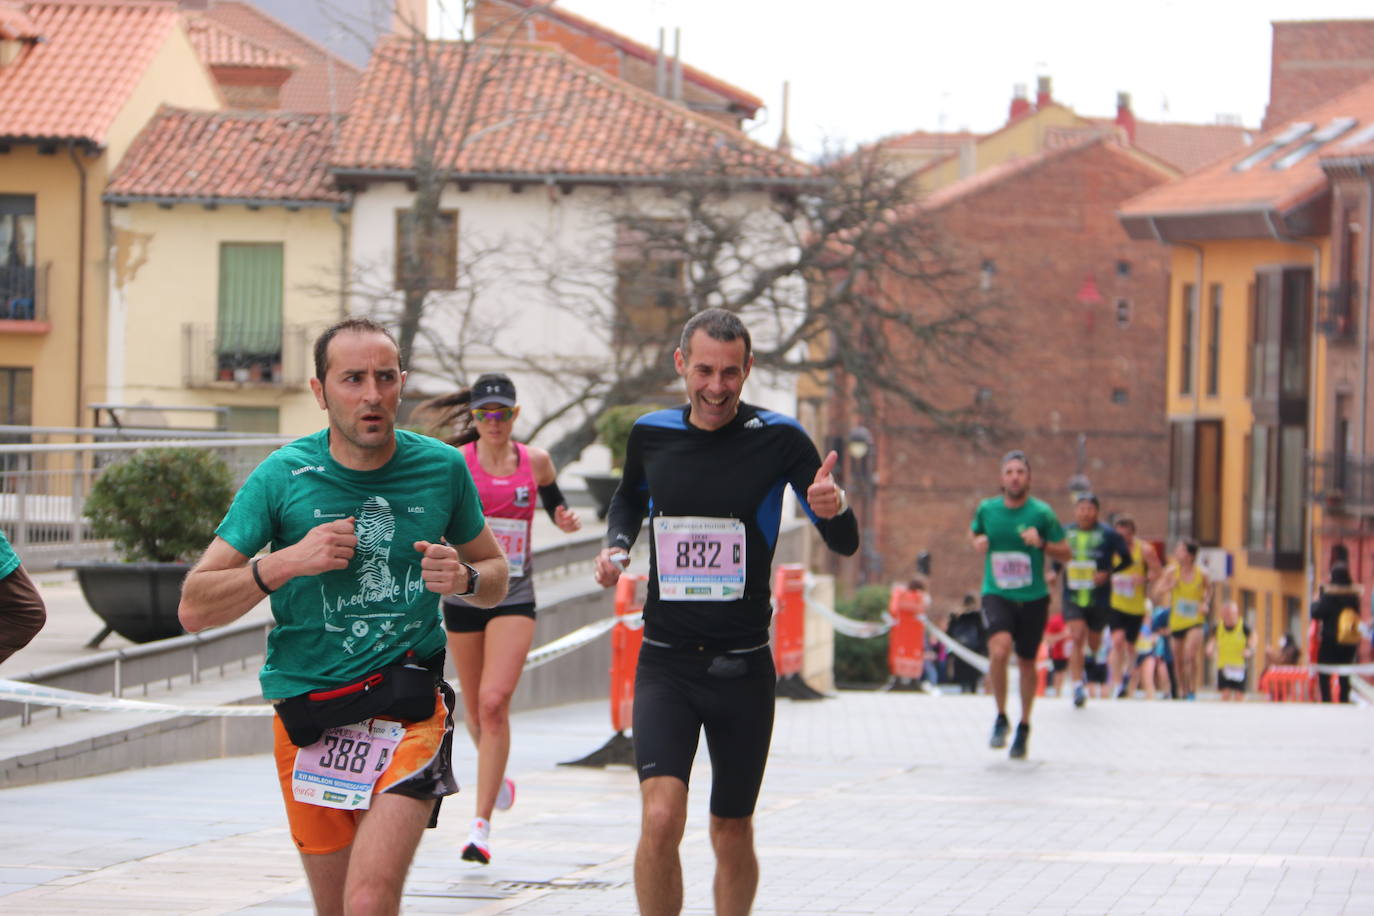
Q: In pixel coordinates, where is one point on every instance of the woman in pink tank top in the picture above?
(489, 647)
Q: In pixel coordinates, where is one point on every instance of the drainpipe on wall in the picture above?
(337, 216)
(1311, 387)
(80, 280)
(1364, 337)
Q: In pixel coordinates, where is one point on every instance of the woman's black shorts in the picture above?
(464, 618)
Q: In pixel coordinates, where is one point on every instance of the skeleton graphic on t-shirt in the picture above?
(375, 527)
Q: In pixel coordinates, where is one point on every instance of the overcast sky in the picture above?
(863, 69)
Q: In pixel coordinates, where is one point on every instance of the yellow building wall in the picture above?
(54, 181)
(1024, 138)
(165, 275)
(175, 77)
(1232, 263)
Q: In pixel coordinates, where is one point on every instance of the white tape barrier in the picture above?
(859, 629)
(1342, 669)
(38, 695)
(955, 646)
(21, 692)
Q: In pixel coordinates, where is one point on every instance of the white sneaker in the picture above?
(478, 848)
(506, 796)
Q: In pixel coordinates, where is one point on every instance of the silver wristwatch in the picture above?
(474, 580)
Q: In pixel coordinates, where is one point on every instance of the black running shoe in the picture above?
(1000, 727)
(1018, 744)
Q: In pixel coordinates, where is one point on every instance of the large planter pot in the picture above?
(136, 600)
(602, 487)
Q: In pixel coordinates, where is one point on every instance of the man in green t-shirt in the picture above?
(368, 526)
(1015, 532)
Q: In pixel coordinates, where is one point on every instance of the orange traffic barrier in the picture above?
(1042, 669)
(625, 643)
(789, 623)
(906, 641)
(1289, 684)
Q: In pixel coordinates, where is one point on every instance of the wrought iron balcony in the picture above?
(1337, 312)
(1342, 483)
(24, 292)
(220, 356)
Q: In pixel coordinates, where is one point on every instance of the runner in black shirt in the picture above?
(710, 476)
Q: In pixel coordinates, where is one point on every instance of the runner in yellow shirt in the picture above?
(1129, 587)
(1185, 588)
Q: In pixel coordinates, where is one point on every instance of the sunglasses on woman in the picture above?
(493, 413)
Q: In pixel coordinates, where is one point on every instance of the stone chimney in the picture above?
(1042, 92)
(1125, 118)
(1020, 105)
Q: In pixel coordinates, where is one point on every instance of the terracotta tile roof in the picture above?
(227, 156)
(15, 24)
(220, 46)
(1267, 184)
(542, 112)
(323, 82)
(73, 83)
(1187, 147)
(927, 140)
(750, 103)
(995, 175)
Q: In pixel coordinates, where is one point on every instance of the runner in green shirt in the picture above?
(1015, 532)
(368, 528)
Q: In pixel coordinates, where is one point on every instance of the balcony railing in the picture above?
(217, 356)
(1342, 483)
(1337, 311)
(24, 292)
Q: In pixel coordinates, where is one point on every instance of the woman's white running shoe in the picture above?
(478, 848)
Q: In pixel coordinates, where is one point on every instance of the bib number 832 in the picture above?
(702, 554)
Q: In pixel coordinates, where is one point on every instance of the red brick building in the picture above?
(1081, 332)
(1316, 61)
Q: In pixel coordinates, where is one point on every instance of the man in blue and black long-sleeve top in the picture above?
(710, 476)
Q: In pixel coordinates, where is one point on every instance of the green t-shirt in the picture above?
(1011, 568)
(336, 627)
(9, 560)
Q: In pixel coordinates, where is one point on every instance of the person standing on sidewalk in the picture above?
(1336, 597)
(1096, 553)
(369, 525)
(1015, 532)
(489, 646)
(22, 612)
(710, 476)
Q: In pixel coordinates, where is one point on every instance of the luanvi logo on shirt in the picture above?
(319, 514)
(309, 467)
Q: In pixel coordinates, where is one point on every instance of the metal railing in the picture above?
(1336, 312)
(214, 356)
(24, 293)
(1341, 483)
(44, 480)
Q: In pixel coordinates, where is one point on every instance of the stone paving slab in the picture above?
(873, 804)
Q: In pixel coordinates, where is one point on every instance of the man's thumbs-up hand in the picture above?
(824, 497)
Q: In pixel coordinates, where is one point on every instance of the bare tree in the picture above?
(825, 269)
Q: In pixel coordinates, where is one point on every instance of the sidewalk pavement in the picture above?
(873, 804)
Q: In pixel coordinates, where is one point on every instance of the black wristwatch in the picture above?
(474, 580)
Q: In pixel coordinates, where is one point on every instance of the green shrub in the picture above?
(613, 428)
(163, 504)
(860, 662)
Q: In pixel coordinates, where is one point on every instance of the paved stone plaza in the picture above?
(873, 804)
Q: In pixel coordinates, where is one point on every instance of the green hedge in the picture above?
(862, 662)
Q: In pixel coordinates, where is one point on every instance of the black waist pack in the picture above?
(403, 691)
